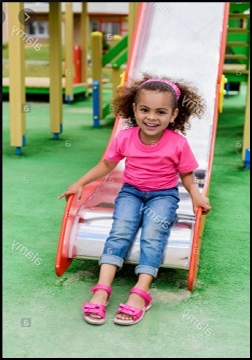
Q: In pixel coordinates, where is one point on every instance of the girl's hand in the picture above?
(75, 188)
(203, 201)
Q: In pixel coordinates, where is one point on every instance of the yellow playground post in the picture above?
(18, 108)
(133, 10)
(96, 65)
(55, 69)
(84, 40)
(69, 70)
(116, 71)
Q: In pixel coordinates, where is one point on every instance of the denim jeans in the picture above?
(154, 212)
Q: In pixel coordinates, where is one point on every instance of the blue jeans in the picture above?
(155, 212)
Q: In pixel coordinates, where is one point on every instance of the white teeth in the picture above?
(150, 125)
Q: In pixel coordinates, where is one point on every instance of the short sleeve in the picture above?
(187, 160)
(114, 153)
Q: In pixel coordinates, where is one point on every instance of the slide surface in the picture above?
(182, 41)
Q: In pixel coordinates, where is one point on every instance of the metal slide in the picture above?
(183, 41)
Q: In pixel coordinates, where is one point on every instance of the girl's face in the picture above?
(153, 113)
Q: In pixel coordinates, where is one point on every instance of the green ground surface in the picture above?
(42, 316)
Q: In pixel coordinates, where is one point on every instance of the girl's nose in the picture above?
(151, 116)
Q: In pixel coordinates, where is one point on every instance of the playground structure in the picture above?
(75, 81)
(86, 223)
(236, 66)
(237, 63)
(41, 85)
(18, 86)
(116, 56)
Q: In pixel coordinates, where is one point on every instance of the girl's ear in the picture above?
(175, 114)
(134, 107)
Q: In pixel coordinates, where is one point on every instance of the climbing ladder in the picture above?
(236, 67)
(237, 63)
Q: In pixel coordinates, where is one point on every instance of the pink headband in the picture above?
(170, 83)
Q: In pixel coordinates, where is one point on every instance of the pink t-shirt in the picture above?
(152, 167)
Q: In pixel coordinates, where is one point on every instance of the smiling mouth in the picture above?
(150, 125)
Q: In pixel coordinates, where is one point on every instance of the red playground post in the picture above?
(77, 63)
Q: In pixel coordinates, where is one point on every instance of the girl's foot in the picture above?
(95, 310)
(100, 297)
(135, 301)
(133, 311)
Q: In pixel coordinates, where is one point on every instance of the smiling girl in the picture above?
(156, 110)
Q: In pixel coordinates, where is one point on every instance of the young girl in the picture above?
(156, 109)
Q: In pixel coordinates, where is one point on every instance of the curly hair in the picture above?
(190, 103)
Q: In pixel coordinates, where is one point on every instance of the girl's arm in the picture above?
(190, 184)
(102, 169)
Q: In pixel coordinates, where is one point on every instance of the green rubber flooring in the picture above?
(42, 315)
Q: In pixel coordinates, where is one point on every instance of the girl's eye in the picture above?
(144, 110)
(161, 112)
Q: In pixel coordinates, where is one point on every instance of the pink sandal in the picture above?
(136, 313)
(98, 309)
